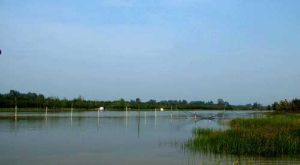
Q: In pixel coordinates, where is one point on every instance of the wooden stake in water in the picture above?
(139, 122)
(145, 117)
(98, 116)
(155, 118)
(126, 115)
(16, 109)
(171, 112)
(16, 112)
(224, 111)
(71, 114)
(46, 112)
(71, 110)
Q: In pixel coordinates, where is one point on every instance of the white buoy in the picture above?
(161, 109)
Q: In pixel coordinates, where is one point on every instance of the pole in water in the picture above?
(139, 122)
(145, 117)
(126, 121)
(224, 111)
(71, 110)
(46, 112)
(16, 112)
(98, 116)
(171, 111)
(71, 114)
(155, 119)
(16, 109)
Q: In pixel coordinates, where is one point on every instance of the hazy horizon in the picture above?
(240, 51)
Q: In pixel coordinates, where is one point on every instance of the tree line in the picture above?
(33, 100)
(287, 106)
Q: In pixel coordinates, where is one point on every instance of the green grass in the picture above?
(273, 135)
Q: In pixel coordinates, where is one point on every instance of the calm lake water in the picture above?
(114, 138)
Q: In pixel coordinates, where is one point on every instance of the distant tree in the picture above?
(284, 105)
(34, 100)
(210, 102)
(220, 102)
(275, 106)
(14, 93)
(151, 101)
(296, 104)
(138, 102)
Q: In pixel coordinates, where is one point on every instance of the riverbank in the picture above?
(271, 135)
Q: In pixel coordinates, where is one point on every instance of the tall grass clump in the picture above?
(273, 135)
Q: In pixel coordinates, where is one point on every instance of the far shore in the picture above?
(84, 110)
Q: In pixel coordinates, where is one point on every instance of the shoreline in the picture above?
(116, 110)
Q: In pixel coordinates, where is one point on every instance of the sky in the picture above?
(243, 51)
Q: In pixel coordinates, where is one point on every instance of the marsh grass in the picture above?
(273, 135)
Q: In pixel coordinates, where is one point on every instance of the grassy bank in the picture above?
(273, 135)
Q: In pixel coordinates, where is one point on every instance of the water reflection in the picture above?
(130, 137)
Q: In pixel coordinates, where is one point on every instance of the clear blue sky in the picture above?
(240, 50)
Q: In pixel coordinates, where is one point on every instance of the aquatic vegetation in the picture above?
(272, 135)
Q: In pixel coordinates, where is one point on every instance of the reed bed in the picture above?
(273, 135)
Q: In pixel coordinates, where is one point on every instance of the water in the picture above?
(112, 138)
